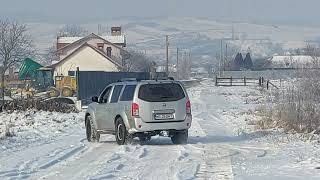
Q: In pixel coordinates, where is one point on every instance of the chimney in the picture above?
(115, 31)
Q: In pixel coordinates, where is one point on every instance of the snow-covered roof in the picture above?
(116, 39)
(292, 59)
(113, 39)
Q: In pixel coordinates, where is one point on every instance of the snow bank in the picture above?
(32, 126)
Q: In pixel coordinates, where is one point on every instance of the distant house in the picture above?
(292, 61)
(90, 53)
(10, 74)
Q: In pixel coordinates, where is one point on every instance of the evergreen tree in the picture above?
(238, 62)
(248, 64)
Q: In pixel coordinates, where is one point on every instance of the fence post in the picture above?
(77, 83)
(260, 82)
(216, 81)
(245, 81)
(231, 81)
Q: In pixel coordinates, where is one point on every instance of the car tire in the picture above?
(121, 133)
(180, 137)
(91, 131)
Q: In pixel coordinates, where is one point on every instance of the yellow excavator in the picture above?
(65, 86)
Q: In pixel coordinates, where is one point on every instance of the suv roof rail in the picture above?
(127, 79)
(164, 78)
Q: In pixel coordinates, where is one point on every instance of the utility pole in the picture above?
(177, 63)
(226, 58)
(221, 58)
(99, 29)
(189, 64)
(233, 38)
(185, 66)
(167, 54)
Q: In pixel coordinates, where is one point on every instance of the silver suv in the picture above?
(142, 109)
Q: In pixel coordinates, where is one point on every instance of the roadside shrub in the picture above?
(297, 106)
(39, 105)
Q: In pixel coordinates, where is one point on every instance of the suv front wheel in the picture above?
(180, 137)
(91, 131)
(122, 135)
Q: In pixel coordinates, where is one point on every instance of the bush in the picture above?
(39, 105)
(295, 107)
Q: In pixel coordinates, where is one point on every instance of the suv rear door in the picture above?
(162, 102)
(113, 105)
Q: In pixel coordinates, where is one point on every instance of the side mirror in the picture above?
(95, 99)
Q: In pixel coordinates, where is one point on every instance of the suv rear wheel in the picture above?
(122, 135)
(91, 131)
(180, 137)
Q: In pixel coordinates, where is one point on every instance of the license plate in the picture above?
(163, 116)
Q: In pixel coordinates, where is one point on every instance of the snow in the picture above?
(116, 39)
(301, 59)
(224, 143)
(113, 39)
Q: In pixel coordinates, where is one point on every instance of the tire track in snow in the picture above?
(28, 168)
(215, 160)
(83, 165)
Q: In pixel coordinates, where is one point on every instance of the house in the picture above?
(88, 58)
(90, 53)
(10, 75)
(293, 61)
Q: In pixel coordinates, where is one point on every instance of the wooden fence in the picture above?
(244, 81)
(232, 81)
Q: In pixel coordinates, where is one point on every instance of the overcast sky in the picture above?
(261, 11)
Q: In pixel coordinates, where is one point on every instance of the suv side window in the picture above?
(128, 93)
(105, 95)
(116, 93)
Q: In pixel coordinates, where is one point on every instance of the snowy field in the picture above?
(223, 144)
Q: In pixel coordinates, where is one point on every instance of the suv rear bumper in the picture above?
(141, 126)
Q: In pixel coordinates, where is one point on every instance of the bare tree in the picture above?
(15, 46)
(137, 62)
(72, 30)
(50, 55)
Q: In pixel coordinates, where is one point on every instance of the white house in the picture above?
(90, 53)
(87, 58)
(66, 45)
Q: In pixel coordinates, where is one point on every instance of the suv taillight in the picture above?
(188, 107)
(135, 109)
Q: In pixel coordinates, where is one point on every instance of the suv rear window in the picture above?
(128, 93)
(161, 92)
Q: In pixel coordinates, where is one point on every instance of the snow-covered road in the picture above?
(223, 144)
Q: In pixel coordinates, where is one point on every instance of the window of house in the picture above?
(71, 73)
(109, 50)
(100, 46)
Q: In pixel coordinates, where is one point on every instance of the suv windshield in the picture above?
(161, 92)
